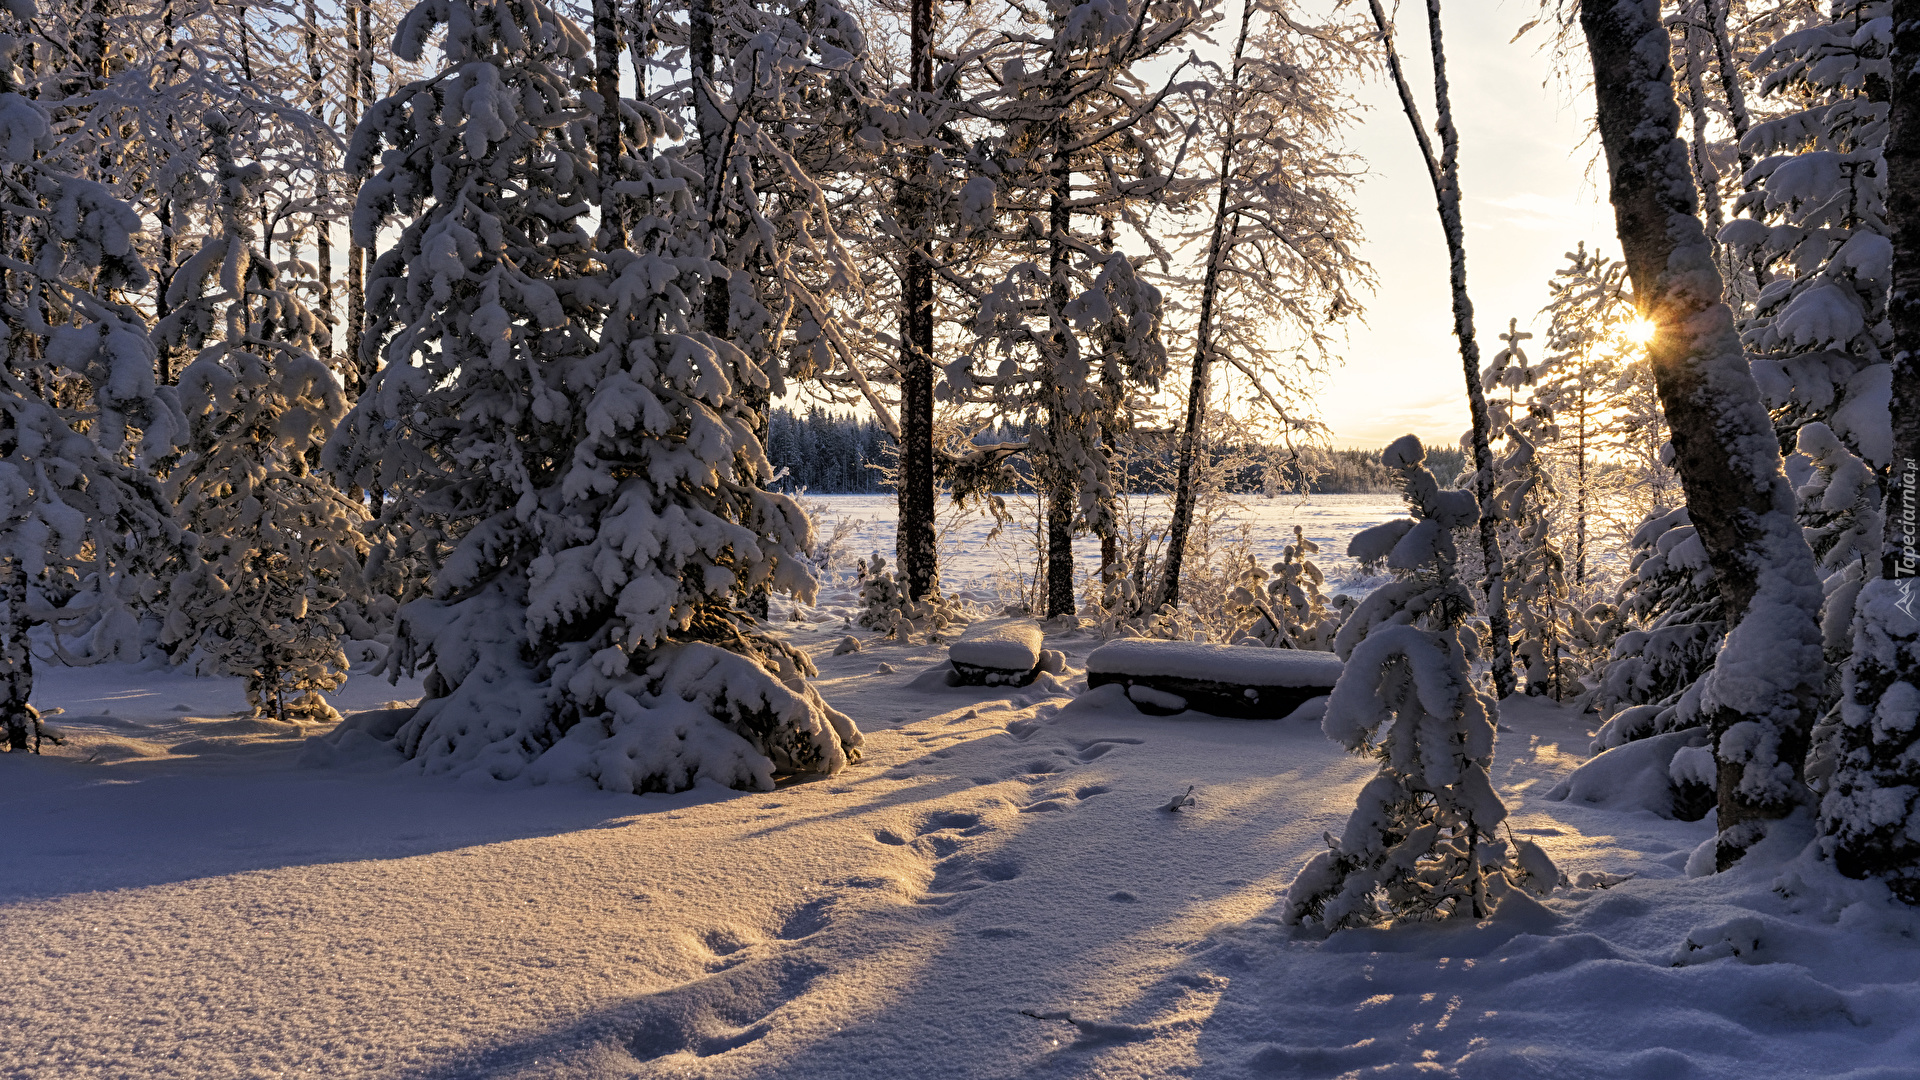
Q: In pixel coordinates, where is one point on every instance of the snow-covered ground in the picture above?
(995, 891)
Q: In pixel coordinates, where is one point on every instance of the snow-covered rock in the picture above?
(1014, 646)
(1225, 680)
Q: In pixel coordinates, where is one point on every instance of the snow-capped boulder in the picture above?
(1225, 680)
(998, 653)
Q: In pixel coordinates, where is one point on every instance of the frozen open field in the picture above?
(978, 564)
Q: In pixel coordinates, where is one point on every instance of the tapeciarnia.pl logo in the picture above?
(1908, 564)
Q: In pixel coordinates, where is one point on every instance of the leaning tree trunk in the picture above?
(1766, 681)
(1871, 815)
(916, 544)
(1183, 486)
(1445, 174)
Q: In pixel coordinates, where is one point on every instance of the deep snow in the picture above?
(995, 891)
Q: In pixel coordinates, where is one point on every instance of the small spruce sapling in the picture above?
(1421, 843)
(280, 545)
(1285, 608)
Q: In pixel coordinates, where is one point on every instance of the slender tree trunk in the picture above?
(360, 49)
(1767, 680)
(1183, 486)
(1729, 68)
(1705, 175)
(16, 666)
(1061, 480)
(1900, 558)
(1445, 174)
(1580, 510)
(322, 221)
(1730, 79)
(711, 127)
(916, 544)
(607, 143)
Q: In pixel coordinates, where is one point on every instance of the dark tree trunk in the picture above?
(916, 544)
(16, 667)
(606, 83)
(1768, 677)
(1445, 175)
(358, 82)
(1183, 485)
(1900, 559)
(322, 220)
(710, 127)
(1061, 479)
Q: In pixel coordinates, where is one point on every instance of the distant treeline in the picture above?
(827, 453)
(842, 454)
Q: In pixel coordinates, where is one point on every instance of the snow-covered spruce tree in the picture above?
(1819, 330)
(1672, 622)
(1278, 235)
(1545, 620)
(83, 526)
(279, 546)
(1576, 385)
(1870, 816)
(1423, 841)
(564, 418)
(1283, 608)
(1768, 678)
(1077, 132)
(1444, 171)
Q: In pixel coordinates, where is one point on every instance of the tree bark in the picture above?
(1062, 481)
(1767, 679)
(322, 221)
(16, 666)
(1900, 557)
(1183, 490)
(358, 370)
(710, 125)
(606, 83)
(1445, 174)
(916, 544)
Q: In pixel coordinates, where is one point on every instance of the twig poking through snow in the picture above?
(1178, 801)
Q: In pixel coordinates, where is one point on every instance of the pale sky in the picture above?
(1528, 198)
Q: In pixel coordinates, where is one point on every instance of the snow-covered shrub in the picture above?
(1870, 813)
(886, 606)
(1284, 608)
(1672, 620)
(1422, 841)
(561, 416)
(280, 547)
(1538, 600)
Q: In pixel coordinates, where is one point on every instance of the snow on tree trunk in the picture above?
(568, 419)
(1422, 842)
(1870, 816)
(1767, 678)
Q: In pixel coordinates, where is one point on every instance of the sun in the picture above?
(1640, 331)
